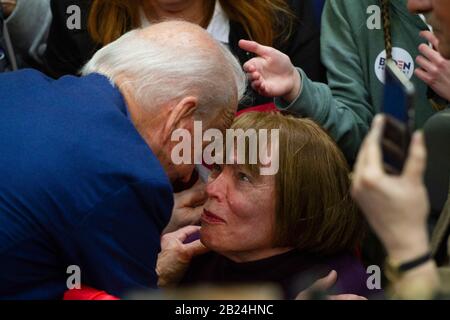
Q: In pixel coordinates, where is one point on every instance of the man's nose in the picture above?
(420, 6)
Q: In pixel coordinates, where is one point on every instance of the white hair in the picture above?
(163, 71)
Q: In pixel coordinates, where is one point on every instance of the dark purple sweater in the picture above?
(292, 271)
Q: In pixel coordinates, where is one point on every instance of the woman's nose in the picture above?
(217, 187)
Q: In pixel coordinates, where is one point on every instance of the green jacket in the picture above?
(350, 52)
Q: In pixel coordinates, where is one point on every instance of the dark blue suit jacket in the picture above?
(78, 186)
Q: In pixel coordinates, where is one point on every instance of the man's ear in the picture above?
(181, 115)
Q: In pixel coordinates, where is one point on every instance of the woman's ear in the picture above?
(181, 115)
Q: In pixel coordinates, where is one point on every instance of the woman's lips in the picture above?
(211, 218)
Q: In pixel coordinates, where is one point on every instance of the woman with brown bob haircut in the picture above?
(288, 25)
(300, 223)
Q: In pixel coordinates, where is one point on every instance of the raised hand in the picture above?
(395, 206)
(271, 73)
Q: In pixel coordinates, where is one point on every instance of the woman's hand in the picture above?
(188, 207)
(434, 69)
(324, 284)
(395, 206)
(271, 73)
(175, 255)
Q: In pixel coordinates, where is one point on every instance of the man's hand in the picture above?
(188, 208)
(8, 6)
(175, 255)
(324, 284)
(434, 69)
(271, 73)
(395, 206)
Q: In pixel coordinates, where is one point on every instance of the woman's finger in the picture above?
(417, 159)
(183, 233)
(255, 47)
(430, 37)
(423, 75)
(429, 57)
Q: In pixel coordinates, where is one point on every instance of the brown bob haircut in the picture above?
(263, 20)
(314, 210)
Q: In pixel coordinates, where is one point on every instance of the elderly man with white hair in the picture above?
(85, 163)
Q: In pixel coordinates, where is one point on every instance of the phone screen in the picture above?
(398, 109)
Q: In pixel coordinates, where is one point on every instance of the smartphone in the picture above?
(398, 108)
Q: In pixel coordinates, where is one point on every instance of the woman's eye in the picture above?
(243, 177)
(215, 170)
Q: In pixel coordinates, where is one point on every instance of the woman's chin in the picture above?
(204, 236)
(210, 239)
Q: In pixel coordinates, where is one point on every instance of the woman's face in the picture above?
(238, 216)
